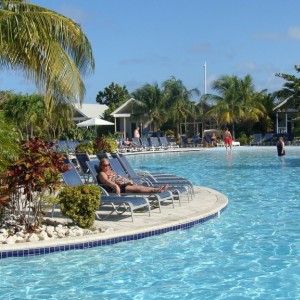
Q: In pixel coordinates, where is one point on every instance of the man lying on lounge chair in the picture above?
(121, 184)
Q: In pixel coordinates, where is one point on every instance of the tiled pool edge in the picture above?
(108, 241)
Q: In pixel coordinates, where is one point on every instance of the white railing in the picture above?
(281, 130)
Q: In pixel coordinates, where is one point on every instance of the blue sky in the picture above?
(146, 41)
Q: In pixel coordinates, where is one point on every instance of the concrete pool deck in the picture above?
(206, 204)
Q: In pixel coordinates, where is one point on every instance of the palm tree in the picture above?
(60, 121)
(49, 48)
(177, 98)
(152, 105)
(26, 111)
(236, 100)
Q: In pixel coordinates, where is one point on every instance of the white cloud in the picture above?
(269, 36)
(294, 33)
(252, 67)
(201, 48)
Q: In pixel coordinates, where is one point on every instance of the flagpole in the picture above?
(204, 78)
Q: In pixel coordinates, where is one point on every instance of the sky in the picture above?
(135, 42)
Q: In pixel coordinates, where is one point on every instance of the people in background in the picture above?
(228, 139)
(127, 142)
(280, 146)
(136, 132)
(213, 139)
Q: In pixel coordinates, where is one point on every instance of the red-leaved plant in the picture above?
(34, 177)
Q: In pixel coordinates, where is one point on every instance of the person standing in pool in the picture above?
(136, 133)
(280, 147)
(228, 139)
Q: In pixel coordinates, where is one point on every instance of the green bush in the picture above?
(243, 139)
(85, 147)
(80, 204)
(105, 144)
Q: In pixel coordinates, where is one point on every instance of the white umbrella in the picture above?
(94, 122)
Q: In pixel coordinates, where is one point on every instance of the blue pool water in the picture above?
(251, 252)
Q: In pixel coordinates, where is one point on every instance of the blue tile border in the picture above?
(105, 242)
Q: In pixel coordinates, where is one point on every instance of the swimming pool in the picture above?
(250, 252)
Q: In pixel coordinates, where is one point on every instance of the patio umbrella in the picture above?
(94, 122)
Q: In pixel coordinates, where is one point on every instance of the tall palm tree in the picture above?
(177, 98)
(152, 105)
(236, 100)
(49, 48)
(60, 120)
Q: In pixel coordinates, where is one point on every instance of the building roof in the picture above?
(88, 111)
(287, 105)
(125, 110)
(282, 103)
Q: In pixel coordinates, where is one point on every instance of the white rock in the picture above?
(3, 232)
(50, 230)
(20, 234)
(61, 232)
(2, 239)
(20, 239)
(33, 238)
(70, 233)
(78, 231)
(87, 232)
(43, 236)
(10, 240)
(109, 229)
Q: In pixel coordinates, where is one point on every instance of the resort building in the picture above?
(84, 112)
(127, 118)
(286, 115)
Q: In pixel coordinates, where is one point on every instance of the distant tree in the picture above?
(61, 120)
(177, 98)
(291, 89)
(153, 106)
(113, 96)
(26, 112)
(9, 144)
(236, 101)
(265, 120)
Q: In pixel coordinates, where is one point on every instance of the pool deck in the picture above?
(205, 205)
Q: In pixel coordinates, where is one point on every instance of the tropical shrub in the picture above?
(243, 139)
(105, 144)
(86, 147)
(9, 144)
(80, 204)
(31, 179)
